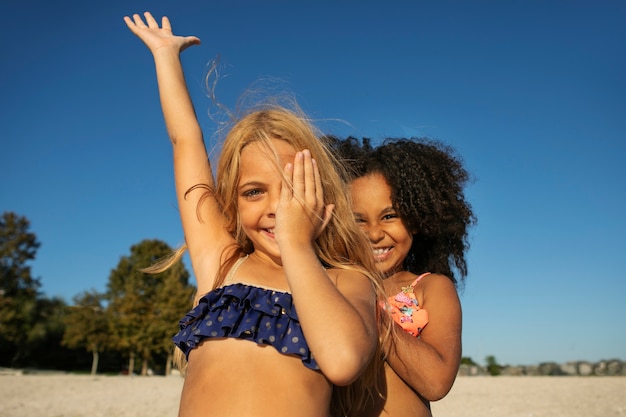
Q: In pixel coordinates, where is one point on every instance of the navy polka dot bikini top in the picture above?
(242, 311)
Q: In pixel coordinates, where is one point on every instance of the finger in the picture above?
(319, 191)
(297, 178)
(285, 190)
(189, 41)
(309, 179)
(134, 23)
(150, 20)
(165, 23)
(138, 21)
(129, 22)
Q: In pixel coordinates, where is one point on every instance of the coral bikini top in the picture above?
(404, 309)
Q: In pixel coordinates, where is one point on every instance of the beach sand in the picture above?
(63, 395)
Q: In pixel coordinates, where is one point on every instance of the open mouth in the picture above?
(380, 254)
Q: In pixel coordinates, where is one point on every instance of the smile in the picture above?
(382, 254)
(381, 251)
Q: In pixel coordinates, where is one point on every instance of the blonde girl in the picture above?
(286, 305)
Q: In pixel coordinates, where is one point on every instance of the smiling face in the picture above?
(374, 212)
(258, 193)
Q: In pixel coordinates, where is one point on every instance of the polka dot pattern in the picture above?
(246, 312)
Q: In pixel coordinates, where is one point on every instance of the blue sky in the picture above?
(531, 93)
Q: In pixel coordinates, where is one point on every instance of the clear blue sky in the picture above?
(531, 93)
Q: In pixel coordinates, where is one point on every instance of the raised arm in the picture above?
(202, 225)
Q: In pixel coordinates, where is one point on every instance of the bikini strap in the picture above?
(418, 279)
(235, 267)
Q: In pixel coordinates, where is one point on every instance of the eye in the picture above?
(390, 216)
(359, 218)
(252, 193)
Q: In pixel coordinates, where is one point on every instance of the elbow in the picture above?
(343, 373)
(437, 390)
(344, 368)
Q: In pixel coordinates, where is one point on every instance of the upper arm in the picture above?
(202, 220)
(359, 291)
(443, 332)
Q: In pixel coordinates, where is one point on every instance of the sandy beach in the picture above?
(62, 395)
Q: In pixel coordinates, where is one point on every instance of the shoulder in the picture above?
(437, 281)
(437, 288)
(346, 274)
(350, 279)
(434, 279)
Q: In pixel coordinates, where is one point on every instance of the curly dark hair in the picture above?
(427, 180)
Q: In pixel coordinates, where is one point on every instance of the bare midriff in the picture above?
(232, 377)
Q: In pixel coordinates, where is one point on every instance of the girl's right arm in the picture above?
(429, 363)
(202, 224)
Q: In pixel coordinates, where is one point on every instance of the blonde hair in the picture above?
(340, 245)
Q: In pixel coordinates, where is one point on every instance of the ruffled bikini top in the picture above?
(405, 310)
(261, 315)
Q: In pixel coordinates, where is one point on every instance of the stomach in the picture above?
(232, 377)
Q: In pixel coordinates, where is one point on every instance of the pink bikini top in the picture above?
(404, 309)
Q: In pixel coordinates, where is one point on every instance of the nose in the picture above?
(272, 204)
(375, 233)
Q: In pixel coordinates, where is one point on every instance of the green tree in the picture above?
(492, 365)
(86, 326)
(144, 308)
(466, 360)
(173, 299)
(44, 337)
(19, 290)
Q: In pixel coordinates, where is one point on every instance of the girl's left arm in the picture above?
(429, 364)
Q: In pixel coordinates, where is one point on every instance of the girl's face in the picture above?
(391, 241)
(258, 193)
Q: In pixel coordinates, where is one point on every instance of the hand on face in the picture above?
(156, 37)
(301, 215)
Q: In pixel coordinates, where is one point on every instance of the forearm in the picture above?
(421, 366)
(340, 332)
(178, 111)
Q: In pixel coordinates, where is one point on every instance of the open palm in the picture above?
(156, 37)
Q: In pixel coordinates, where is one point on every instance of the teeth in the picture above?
(380, 251)
(270, 231)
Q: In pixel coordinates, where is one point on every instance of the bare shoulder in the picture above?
(436, 281)
(437, 290)
(350, 280)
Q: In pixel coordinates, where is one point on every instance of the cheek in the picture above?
(242, 211)
(404, 235)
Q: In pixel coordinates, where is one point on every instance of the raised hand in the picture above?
(156, 37)
(301, 215)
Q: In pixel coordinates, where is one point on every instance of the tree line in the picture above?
(129, 326)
